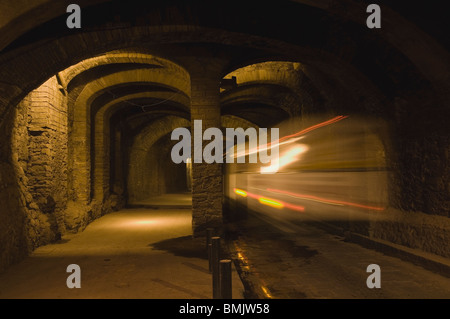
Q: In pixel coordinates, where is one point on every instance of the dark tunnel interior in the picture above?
(357, 150)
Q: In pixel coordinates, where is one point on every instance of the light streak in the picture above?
(314, 127)
(264, 147)
(288, 158)
(295, 207)
(240, 192)
(242, 259)
(266, 292)
(293, 137)
(245, 265)
(325, 200)
(270, 202)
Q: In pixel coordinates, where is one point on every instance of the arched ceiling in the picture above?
(139, 88)
(287, 22)
(336, 58)
(265, 93)
(132, 86)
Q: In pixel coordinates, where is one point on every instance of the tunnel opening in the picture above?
(161, 180)
(71, 136)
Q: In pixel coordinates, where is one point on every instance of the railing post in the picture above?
(225, 279)
(215, 257)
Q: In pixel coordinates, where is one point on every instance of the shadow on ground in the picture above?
(186, 246)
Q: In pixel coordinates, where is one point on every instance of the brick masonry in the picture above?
(39, 152)
(207, 189)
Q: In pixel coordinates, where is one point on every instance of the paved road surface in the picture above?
(287, 260)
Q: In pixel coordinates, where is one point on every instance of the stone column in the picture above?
(207, 190)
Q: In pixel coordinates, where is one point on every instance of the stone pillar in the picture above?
(207, 191)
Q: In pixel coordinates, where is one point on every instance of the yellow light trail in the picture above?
(266, 292)
(242, 259)
(324, 200)
(270, 202)
(240, 192)
(246, 267)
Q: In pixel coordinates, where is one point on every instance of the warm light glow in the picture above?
(266, 292)
(288, 158)
(144, 222)
(266, 147)
(294, 137)
(314, 127)
(270, 202)
(244, 263)
(294, 207)
(324, 200)
(240, 192)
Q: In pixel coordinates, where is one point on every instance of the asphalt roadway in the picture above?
(281, 259)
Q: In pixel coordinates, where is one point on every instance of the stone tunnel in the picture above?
(86, 114)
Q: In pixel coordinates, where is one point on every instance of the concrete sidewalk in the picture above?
(133, 253)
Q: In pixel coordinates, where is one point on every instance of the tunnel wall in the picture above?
(416, 150)
(39, 158)
(47, 149)
(13, 230)
(418, 154)
(145, 176)
(46, 209)
(160, 174)
(421, 153)
(414, 229)
(417, 147)
(173, 176)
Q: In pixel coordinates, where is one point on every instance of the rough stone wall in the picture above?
(429, 233)
(172, 176)
(207, 192)
(47, 166)
(13, 230)
(421, 145)
(161, 175)
(39, 156)
(418, 154)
